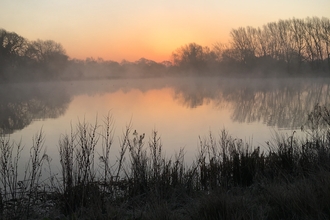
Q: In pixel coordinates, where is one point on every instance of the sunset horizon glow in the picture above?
(118, 30)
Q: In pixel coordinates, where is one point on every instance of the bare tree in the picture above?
(289, 43)
(49, 56)
(192, 57)
(12, 49)
(44, 51)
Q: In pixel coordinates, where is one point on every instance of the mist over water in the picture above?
(238, 122)
(180, 109)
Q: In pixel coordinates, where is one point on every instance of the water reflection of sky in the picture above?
(181, 110)
(178, 126)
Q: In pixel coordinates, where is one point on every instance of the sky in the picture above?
(131, 29)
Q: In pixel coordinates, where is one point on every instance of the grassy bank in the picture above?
(227, 180)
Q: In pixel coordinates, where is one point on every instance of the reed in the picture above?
(20, 195)
(228, 178)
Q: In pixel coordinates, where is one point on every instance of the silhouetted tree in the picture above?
(12, 49)
(192, 57)
(49, 56)
(149, 68)
(286, 45)
(325, 35)
(244, 41)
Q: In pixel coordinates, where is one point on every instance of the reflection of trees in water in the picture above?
(23, 103)
(197, 93)
(192, 98)
(284, 104)
(284, 107)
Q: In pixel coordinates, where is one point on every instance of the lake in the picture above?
(181, 110)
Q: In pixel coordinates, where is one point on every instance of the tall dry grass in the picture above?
(228, 179)
(21, 194)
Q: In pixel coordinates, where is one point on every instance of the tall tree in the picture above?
(12, 49)
(325, 35)
(287, 43)
(49, 56)
(192, 57)
(244, 41)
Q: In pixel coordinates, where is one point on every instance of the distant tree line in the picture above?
(294, 46)
(99, 68)
(287, 47)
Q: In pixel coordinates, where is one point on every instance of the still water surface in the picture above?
(181, 110)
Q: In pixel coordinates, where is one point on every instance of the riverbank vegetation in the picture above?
(228, 178)
(292, 47)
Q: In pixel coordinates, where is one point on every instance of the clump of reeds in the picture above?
(89, 182)
(9, 176)
(288, 180)
(150, 172)
(77, 155)
(228, 162)
(21, 194)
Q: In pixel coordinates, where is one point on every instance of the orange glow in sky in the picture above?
(127, 29)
